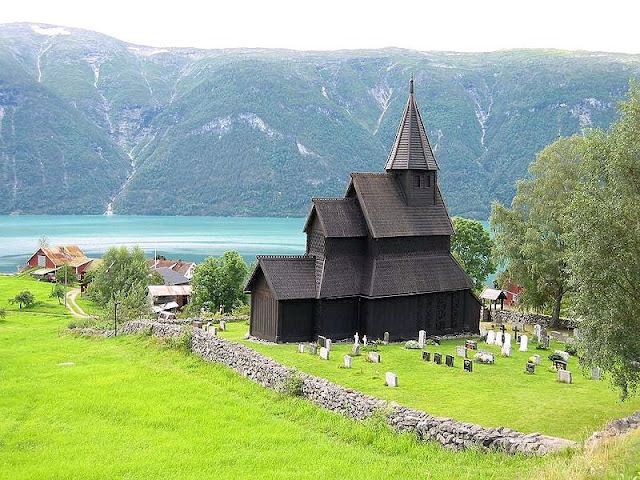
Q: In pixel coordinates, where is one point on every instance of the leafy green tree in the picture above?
(604, 236)
(122, 277)
(219, 281)
(65, 275)
(57, 292)
(529, 236)
(25, 297)
(472, 247)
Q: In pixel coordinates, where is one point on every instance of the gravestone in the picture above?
(498, 341)
(426, 356)
(223, 326)
(524, 343)
(301, 348)
(506, 350)
(544, 341)
(422, 338)
(530, 368)
(355, 350)
(437, 358)
(207, 326)
(483, 331)
(576, 332)
(321, 341)
(374, 357)
(356, 339)
(536, 359)
(507, 339)
(564, 376)
(491, 337)
(468, 366)
(385, 338)
(347, 361)
(537, 329)
(391, 379)
(327, 343)
(471, 344)
(313, 349)
(596, 373)
(324, 353)
(563, 354)
(449, 360)
(461, 351)
(213, 331)
(364, 340)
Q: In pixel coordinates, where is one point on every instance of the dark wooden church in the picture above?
(377, 260)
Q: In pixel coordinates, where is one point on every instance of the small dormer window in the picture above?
(417, 181)
(428, 181)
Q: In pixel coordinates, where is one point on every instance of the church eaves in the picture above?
(411, 149)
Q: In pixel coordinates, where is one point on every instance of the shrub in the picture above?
(571, 349)
(292, 384)
(180, 342)
(412, 345)
(241, 310)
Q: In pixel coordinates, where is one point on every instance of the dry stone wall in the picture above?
(267, 372)
(511, 316)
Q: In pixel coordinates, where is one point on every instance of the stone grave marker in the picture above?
(347, 361)
(223, 326)
(437, 358)
(536, 359)
(596, 373)
(422, 338)
(498, 341)
(207, 326)
(484, 357)
(576, 332)
(468, 365)
(491, 337)
(483, 331)
(564, 376)
(563, 354)
(449, 360)
(544, 341)
(301, 347)
(507, 339)
(324, 353)
(461, 351)
(213, 331)
(385, 338)
(364, 340)
(327, 343)
(524, 343)
(471, 344)
(313, 349)
(537, 329)
(506, 350)
(374, 357)
(426, 356)
(530, 368)
(355, 350)
(321, 341)
(356, 339)
(391, 379)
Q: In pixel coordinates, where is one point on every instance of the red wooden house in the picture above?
(49, 259)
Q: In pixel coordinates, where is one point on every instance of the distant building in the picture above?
(169, 297)
(185, 269)
(377, 260)
(49, 259)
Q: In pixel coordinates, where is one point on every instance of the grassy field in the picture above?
(131, 407)
(493, 395)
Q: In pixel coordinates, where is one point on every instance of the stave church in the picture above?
(377, 260)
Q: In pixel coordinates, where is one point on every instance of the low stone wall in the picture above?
(615, 428)
(269, 373)
(511, 316)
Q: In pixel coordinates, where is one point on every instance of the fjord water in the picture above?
(186, 238)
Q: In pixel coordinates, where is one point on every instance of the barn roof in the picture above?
(171, 277)
(339, 217)
(66, 255)
(169, 290)
(387, 213)
(290, 277)
(493, 294)
(411, 149)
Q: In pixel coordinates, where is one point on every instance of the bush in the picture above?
(292, 384)
(241, 311)
(180, 342)
(571, 349)
(412, 345)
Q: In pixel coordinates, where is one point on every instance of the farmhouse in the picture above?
(377, 260)
(49, 259)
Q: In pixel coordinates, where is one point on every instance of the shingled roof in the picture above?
(290, 277)
(339, 217)
(411, 149)
(387, 213)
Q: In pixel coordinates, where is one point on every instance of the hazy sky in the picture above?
(457, 25)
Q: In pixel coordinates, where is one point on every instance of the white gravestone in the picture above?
(506, 350)
(355, 350)
(422, 338)
(347, 361)
(524, 343)
(324, 353)
(564, 376)
(385, 338)
(536, 359)
(328, 343)
(498, 341)
(364, 340)
(223, 326)
(537, 329)
(391, 379)
(213, 331)
(356, 339)
(483, 331)
(461, 351)
(374, 357)
(507, 339)
(301, 348)
(596, 373)
(491, 337)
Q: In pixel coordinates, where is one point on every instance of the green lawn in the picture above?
(10, 286)
(493, 395)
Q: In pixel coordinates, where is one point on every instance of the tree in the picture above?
(65, 275)
(604, 237)
(25, 297)
(123, 277)
(529, 236)
(57, 292)
(472, 246)
(219, 281)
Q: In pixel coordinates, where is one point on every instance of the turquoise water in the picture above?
(186, 238)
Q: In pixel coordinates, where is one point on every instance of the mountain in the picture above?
(87, 120)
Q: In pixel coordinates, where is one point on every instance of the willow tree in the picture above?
(604, 237)
(530, 236)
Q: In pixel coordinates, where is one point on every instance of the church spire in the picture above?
(411, 149)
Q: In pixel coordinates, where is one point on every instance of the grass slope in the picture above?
(493, 395)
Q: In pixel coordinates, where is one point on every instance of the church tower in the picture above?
(411, 159)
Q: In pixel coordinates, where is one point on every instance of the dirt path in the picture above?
(73, 307)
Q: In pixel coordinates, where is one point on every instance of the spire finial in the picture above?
(411, 85)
